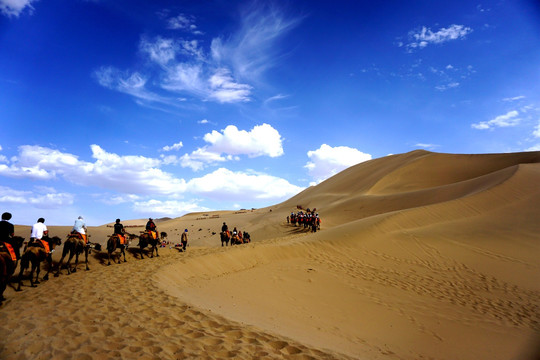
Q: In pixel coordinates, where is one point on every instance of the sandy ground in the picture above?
(420, 256)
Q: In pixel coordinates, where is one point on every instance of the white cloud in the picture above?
(203, 121)
(183, 22)
(176, 146)
(328, 161)
(224, 72)
(15, 7)
(515, 98)
(160, 50)
(536, 132)
(125, 174)
(133, 84)
(224, 184)
(172, 208)
(447, 86)
(261, 140)
(426, 146)
(224, 89)
(45, 198)
(506, 120)
(425, 36)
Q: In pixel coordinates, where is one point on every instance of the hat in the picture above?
(185, 230)
(80, 217)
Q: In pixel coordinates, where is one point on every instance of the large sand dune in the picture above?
(420, 256)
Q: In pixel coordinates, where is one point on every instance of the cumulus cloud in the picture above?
(176, 146)
(228, 144)
(328, 161)
(43, 198)
(261, 140)
(509, 119)
(15, 7)
(224, 184)
(125, 174)
(425, 36)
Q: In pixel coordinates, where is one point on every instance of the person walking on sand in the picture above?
(184, 240)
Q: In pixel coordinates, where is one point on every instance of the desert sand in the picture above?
(420, 256)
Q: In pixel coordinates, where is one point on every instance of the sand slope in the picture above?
(421, 255)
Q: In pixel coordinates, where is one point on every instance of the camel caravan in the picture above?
(235, 237)
(40, 248)
(308, 219)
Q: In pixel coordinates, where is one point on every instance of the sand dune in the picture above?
(421, 255)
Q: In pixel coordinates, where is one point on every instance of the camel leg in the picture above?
(69, 270)
(157, 255)
(49, 261)
(20, 278)
(86, 258)
(124, 253)
(38, 268)
(64, 253)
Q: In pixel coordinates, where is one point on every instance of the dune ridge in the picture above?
(421, 255)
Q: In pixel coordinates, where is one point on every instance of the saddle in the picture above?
(10, 250)
(79, 236)
(44, 244)
(121, 239)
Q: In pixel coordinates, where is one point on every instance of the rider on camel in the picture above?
(80, 228)
(119, 231)
(39, 230)
(7, 231)
(151, 228)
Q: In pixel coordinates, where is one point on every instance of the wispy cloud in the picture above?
(515, 98)
(225, 72)
(509, 119)
(183, 22)
(419, 39)
(15, 7)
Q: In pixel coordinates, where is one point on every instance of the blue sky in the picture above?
(134, 109)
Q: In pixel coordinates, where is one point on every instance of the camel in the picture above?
(114, 243)
(7, 264)
(146, 239)
(75, 245)
(225, 237)
(34, 255)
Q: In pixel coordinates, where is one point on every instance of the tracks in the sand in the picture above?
(119, 312)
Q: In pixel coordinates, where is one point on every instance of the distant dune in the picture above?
(420, 256)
